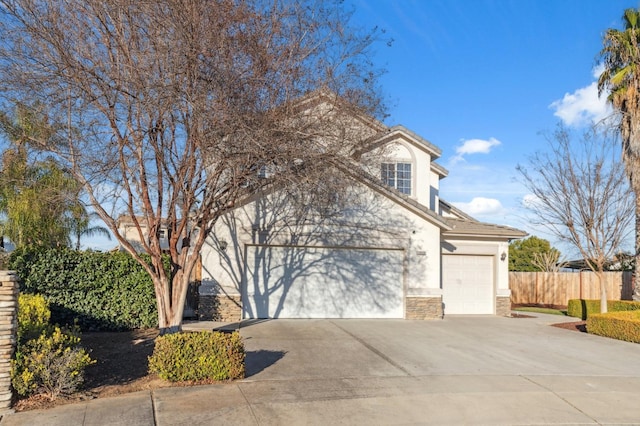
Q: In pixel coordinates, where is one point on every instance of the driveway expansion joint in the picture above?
(253, 414)
(153, 407)
(551, 391)
(374, 350)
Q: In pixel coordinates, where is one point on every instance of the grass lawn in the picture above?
(540, 310)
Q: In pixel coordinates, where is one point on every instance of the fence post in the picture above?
(8, 329)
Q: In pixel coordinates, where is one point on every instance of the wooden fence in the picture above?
(556, 288)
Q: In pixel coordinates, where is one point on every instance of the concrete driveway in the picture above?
(460, 345)
(462, 370)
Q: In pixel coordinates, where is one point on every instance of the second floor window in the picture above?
(398, 176)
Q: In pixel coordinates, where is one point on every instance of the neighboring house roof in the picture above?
(125, 219)
(619, 262)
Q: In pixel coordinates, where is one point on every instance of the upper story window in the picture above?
(398, 176)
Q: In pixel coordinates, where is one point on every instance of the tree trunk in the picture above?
(170, 304)
(636, 272)
(171, 297)
(603, 292)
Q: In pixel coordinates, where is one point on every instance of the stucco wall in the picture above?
(375, 222)
(498, 249)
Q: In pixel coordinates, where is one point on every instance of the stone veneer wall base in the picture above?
(423, 308)
(503, 306)
(220, 308)
(8, 328)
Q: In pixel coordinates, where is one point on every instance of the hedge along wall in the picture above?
(101, 291)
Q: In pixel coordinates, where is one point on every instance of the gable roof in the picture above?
(463, 225)
(355, 171)
(323, 96)
(454, 210)
(468, 228)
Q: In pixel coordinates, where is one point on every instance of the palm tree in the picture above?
(81, 225)
(38, 199)
(620, 56)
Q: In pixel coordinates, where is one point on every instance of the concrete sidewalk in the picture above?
(435, 400)
(483, 370)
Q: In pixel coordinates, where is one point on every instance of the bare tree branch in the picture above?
(581, 194)
(174, 107)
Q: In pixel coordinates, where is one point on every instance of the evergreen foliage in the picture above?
(98, 291)
(199, 356)
(522, 253)
(616, 325)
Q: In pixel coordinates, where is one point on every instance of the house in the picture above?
(128, 228)
(395, 249)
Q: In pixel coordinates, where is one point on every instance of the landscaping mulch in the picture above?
(580, 326)
(121, 367)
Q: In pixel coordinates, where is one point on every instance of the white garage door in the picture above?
(467, 284)
(321, 282)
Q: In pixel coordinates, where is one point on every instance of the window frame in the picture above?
(398, 175)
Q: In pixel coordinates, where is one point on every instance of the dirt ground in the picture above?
(121, 367)
(573, 326)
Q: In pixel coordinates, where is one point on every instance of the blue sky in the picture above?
(481, 79)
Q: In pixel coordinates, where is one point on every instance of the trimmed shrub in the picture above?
(616, 325)
(582, 308)
(53, 364)
(48, 360)
(96, 291)
(33, 316)
(198, 356)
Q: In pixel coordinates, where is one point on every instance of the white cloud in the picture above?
(474, 146)
(530, 200)
(583, 105)
(481, 206)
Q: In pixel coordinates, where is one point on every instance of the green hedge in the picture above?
(583, 308)
(198, 356)
(616, 325)
(99, 291)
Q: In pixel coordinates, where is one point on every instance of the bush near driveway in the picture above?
(198, 356)
(583, 308)
(617, 325)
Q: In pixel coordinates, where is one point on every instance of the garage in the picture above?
(322, 282)
(468, 284)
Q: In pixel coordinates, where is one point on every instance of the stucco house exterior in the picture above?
(394, 250)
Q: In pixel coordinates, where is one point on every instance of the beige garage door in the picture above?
(468, 284)
(323, 282)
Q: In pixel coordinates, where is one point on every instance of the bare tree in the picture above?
(581, 194)
(177, 110)
(548, 261)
